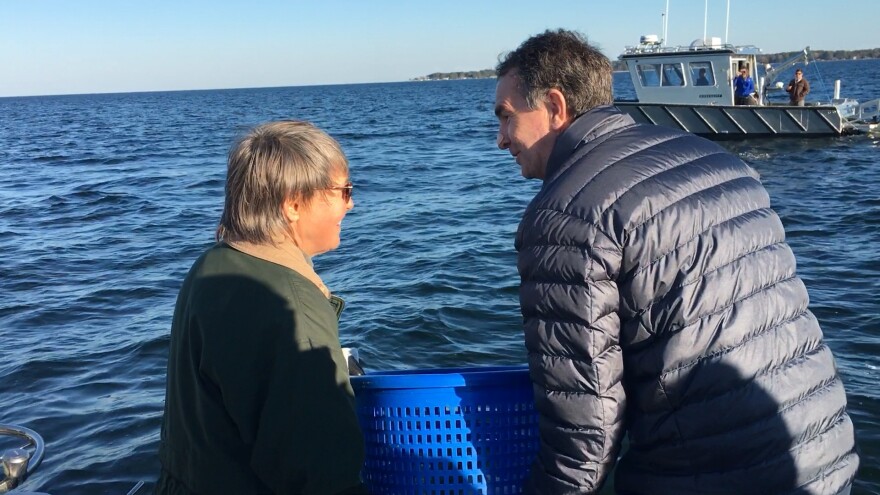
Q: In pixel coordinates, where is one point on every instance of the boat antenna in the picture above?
(705, 19)
(727, 23)
(664, 17)
(662, 28)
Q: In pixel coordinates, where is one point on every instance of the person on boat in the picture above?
(659, 301)
(702, 80)
(797, 89)
(258, 398)
(744, 88)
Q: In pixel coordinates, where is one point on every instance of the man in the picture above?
(797, 89)
(743, 88)
(659, 300)
(702, 80)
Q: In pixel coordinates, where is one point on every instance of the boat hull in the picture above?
(740, 122)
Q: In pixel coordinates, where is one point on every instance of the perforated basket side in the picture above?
(449, 440)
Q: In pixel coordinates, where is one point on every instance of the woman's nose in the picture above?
(501, 141)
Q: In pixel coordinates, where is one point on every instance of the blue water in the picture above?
(105, 201)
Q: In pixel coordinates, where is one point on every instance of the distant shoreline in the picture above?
(445, 76)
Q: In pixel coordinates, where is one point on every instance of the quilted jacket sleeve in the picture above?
(569, 300)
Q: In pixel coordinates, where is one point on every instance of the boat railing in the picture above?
(652, 48)
(19, 462)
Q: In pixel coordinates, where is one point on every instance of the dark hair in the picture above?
(562, 60)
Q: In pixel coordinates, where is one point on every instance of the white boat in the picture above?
(691, 88)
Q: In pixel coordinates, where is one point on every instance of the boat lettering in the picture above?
(710, 96)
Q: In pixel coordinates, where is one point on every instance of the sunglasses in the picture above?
(346, 191)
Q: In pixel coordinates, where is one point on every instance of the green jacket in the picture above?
(258, 398)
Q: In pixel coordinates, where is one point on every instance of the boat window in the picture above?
(649, 74)
(673, 75)
(702, 73)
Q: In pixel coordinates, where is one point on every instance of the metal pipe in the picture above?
(17, 474)
(705, 19)
(727, 23)
(136, 488)
(666, 23)
(763, 92)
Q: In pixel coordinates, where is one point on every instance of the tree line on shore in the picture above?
(773, 58)
(822, 55)
(473, 74)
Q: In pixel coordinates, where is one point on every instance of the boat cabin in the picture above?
(699, 74)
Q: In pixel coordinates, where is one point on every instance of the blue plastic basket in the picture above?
(463, 431)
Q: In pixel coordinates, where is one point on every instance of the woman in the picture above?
(258, 398)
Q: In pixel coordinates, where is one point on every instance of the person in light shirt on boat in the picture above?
(659, 300)
(744, 88)
(258, 398)
(797, 89)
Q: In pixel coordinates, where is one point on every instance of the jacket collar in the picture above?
(285, 253)
(587, 127)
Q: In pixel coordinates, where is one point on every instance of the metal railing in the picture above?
(20, 462)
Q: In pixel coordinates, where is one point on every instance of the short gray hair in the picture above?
(272, 163)
(562, 60)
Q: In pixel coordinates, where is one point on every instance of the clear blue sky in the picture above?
(102, 46)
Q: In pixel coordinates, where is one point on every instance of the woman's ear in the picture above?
(557, 110)
(290, 210)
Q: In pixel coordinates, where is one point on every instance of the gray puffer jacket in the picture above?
(660, 301)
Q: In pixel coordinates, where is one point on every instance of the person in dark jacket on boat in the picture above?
(744, 88)
(702, 80)
(659, 301)
(258, 398)
(797, 89)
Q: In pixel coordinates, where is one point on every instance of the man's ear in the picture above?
(557, 109)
